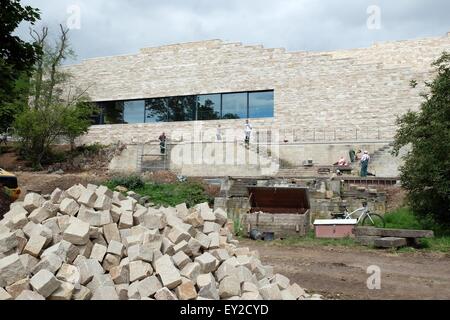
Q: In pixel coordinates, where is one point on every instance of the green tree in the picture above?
(57, 112)
(17, 58)
(426, 171)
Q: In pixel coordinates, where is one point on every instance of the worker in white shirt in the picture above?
(365, 159)
(248, 132)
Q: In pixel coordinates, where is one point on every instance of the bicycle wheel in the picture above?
(374, 220)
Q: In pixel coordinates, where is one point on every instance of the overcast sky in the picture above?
(112, 27)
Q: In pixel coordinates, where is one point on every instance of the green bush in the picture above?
(132, 182)
(402, 218)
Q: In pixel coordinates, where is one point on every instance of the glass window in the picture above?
(112, 112)
(182, 108)
(234, 106)
(156, 110)
(208, 107)
(97, 114)
(133, 111)
(261, 104)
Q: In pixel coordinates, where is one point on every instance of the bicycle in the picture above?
(366, 218)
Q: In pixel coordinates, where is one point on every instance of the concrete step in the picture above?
(399, 233)
(390, 242)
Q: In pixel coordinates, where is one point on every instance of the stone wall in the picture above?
(340, 89)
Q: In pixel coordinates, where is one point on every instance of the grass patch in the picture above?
(311, 240)
(402, 218)
(164, 194)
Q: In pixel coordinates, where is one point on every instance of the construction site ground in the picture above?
(336, 272)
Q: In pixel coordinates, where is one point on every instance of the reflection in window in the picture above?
(97, 113)
(261, 104)
(133, 111)
(208, 107)
(234, 106)
(187, 108)
(156, 110)
(182, 108)
(112, 112)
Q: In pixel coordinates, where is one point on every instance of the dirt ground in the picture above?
(340, 272)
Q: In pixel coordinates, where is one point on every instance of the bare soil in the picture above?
(341, 272)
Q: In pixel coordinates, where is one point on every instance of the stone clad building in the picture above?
(319, 103)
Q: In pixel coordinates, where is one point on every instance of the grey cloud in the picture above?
(111, 27)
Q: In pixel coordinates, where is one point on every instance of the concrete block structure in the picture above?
(312, 105)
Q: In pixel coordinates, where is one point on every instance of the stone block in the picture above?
(88, 198)
(209, 227)
(69, 273)
(176, 235)
(271, 292)
(35, 245)
(221, 216)
(149, 286)
(186, 291)
(45, 283)
(122, 291)
(390, 242)
(63, 293)
(40, 214)
(28, 262)
(140, 270)
(103, 190)
(11, 270)
(181, 259)
(205, 212)
(82, 293)
(191, 271)
(18, 287)
(250, 287)
(128, 205)
(168, 273)
(75, 192)
(69, 207)
(120, 274)
(30, 295)
(55, 196)
(100, 280)
(103, 202)
(214, 238)
(32, 201)
(203, 239)
(77, 232)
(116, 248)
(5, 295)
(126, 220)
(194, 219)
(50, 262)
(8, 241)
(207, 262)
(105, 293)
(296, 291)
(88, 269)
(165, 294)
(282, 281)
(110, 261)
(98, 252)
(229, 287)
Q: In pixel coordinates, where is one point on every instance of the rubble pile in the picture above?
(92, 243)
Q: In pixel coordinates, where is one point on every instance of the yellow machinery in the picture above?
(9, 186)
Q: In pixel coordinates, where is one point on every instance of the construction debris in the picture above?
(91, 243)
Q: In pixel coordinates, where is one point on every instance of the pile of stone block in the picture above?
(92, 243)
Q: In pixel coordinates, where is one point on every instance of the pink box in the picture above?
(335, 228)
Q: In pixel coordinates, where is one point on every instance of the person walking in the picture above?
(365, 159)
(219, 133)
(162, 142)
(248, 132)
